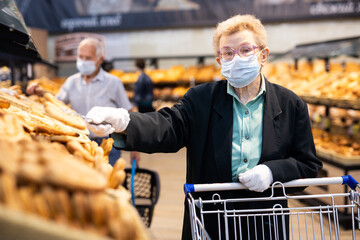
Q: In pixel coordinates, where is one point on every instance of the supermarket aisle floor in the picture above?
(167, 219)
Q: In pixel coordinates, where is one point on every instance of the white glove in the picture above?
(102, 130)
(117, 119)
(257, 179)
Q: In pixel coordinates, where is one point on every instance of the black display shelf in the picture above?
(17, 49)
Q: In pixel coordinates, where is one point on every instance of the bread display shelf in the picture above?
(331, 102)
(53, 182)
(337, 158)
(19, 225)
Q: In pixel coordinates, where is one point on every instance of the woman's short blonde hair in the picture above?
(239, 23)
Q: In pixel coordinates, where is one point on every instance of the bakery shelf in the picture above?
(19, 225)
(339, 160)
(332, 102)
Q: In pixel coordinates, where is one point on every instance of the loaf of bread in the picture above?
(56, 112)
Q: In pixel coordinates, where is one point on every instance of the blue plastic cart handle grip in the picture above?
(133, 168)
(188, 188)
(350, 181)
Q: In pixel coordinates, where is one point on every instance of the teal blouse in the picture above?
(247, 131)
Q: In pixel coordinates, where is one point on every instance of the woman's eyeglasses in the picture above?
(228, 53)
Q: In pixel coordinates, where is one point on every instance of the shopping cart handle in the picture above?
(349, 180)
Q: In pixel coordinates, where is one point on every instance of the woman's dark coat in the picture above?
(202, 122)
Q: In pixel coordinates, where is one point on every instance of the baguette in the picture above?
(97, 209)
(118, 166)
(25, 198)
(50, 126)
(63, 204)
(65, 138)
(14, 101)
(81, 207)
(10, 155)
(107, 144)
(87, 146)
(86, 178)
(80, 157)
(94, 146)
(8, 191)
(116, 179)
(45, 124)
(105, 169)
(53, 130)
(127, 217)
(11, 128)
(54, 111)
(51, 98)
(32, 172)
(75, 146)
(42, 208)
(99, 156)
(29, 153)
(50, 199)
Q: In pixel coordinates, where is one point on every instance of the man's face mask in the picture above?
(86, 67)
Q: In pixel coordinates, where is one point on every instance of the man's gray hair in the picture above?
(100, 48)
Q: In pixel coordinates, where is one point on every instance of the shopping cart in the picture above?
(144, 185)
(295, 221)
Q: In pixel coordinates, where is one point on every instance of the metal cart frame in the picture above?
(303, 222)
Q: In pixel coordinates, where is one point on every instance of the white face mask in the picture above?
(86, 67)
(240, 72)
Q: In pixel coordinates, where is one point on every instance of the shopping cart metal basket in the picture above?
(144, 185)
(296, 221)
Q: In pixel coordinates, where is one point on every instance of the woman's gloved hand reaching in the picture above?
(106, 120)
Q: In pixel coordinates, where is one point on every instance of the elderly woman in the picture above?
(242, 129)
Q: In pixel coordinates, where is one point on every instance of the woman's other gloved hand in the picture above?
(257, 179)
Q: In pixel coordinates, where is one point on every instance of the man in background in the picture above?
(91, 86)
